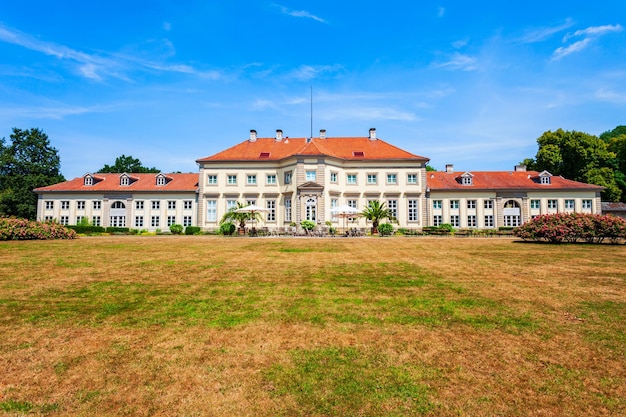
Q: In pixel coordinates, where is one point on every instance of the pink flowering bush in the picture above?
(573, 227)
(12, 228)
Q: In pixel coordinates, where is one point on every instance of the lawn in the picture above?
(215, 326)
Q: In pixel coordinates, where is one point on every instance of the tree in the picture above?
(577, 156)
(28, 162)
(617, 145)
(375, 212)
(127, 164)
(232, 216)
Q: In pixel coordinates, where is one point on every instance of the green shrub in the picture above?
(112, 229)
(385, 229)
(192, 230)
(12, 228)
(227, 228)
(573, 227)
(176, 229)
(307, 225)
(86, 229)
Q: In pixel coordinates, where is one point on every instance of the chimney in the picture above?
(449, 168)
(520, 168)
(373, 133)
(253, 135)
(279, 135)
(322, 133)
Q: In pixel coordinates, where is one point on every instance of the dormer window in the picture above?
(544, 178)
(358, 154)
(88, 180)
(467, 179)
(161, 180)
(124, 180)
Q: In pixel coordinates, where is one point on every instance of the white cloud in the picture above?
(458, 62)
(588, 35)
(308, 72)
(541, 34)
(97, 67)
(575, 47)
(611, 96)
(300, 13)
(460, 43)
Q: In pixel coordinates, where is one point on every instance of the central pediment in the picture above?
(310, 186)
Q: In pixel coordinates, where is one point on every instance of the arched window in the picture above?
(512, 214)
(311, 209)
(118, 205)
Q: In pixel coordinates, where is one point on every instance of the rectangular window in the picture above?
(49, 205)
(271, 179)
(250, 202)
(437, 204)
(187, 205)
(569, 204)
(171, 205)
(351, 203)
(311, 175)
(288, 177)
(489, 220)
(333, 203)
(231, 205)
(351, 178)
(535, 204)
(251, 179)
(95, 220)
(455, 220)
(155, 221)
(333, 177)
(211, 210)
(80, 205)
(211, 179)
(411, 179)
(64, 220)
(372, 178)
(437, 220)
(49, 219)
(171, 220)
(118, 221)
(488, 204)
(392, 206)
(287, 210)
(270, 205)
(392, 178)
(65, 205)
(138, 221)
(454, 204)
(186, 221)
(553, 204)
(471, 204)
(97, 205)
(79, 219)
(587, 204)
(139, 205)
(471, 221)
(232, 180)
(156, 205)
(413, 210)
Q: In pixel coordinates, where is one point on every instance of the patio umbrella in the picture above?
(252, 209)
(345, 212)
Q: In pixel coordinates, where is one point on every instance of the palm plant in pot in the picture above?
(240, 218)
(375, 212)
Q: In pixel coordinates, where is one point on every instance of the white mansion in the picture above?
(304, 178)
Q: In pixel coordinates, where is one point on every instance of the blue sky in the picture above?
(472, 83)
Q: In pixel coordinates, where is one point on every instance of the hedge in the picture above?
(12, 228)
(573, 227)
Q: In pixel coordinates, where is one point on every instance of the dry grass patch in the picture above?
(238, 326)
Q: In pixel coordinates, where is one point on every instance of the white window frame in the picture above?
(187, 205)
(156, 205)
(454, 204)
(437, 204)
(97, 205)
(139, 205)
(171, 204)
(231, 179)
(471, 204)
(372, 179)
(351, 179)
(271, 179)
(251, 179)
(270, 205)
(310, 175)
(211, 211)
(211, 179)
(488, 204)
(413, 214)
(139, 221)
(392, 178)
(411, 178)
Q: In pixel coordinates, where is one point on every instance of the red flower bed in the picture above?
(12, 228)
(573, 227)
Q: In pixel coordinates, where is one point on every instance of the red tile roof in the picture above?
(139, 182)
(341, 148)
(502, 180)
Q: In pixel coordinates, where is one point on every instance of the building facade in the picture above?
(297, 179)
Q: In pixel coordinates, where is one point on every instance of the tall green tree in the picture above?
(127, 164)
(26, 163)
(580, 157)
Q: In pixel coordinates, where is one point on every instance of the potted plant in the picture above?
(375, 212)
(240, 218)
